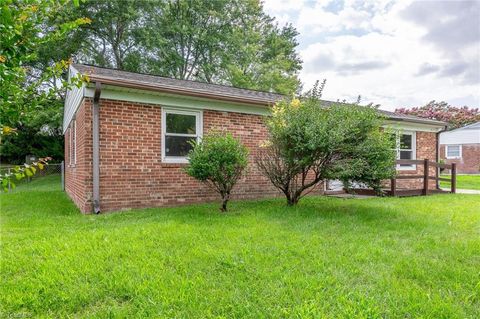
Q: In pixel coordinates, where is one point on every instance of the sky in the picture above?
(393, 53)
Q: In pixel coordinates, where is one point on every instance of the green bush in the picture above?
(218, 160)
(311, 142)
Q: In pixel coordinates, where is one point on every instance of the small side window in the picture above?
(453, 151)
(73, 143)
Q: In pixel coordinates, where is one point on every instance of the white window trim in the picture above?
(199, 131)
(412, 167)
(70, 140)
(73, 144)
(453, 157)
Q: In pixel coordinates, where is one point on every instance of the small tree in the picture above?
(218, 160)
(310, 142)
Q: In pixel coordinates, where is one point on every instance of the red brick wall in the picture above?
(78, 177)
(133, 176)
(425, 149)
(131, 172)
(470, 161)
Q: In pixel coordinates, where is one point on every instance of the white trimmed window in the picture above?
(453, 151)
(406, 148)
(73, 143)
(179, 129)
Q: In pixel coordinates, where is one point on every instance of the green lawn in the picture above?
(46, 184)
(329, 257)
(464, 182)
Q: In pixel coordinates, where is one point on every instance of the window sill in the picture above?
(407, 168)
(453, 158)
(175, 160)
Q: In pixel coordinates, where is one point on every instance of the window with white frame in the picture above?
(405, 146)
(73, 143)
(179, 129)
(453, 151)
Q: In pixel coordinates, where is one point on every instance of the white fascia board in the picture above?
(409, 126)
(73, 100)
(164, 99)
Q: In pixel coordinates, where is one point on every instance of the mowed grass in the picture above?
(45, 184)
(463, 182)
(328, 257)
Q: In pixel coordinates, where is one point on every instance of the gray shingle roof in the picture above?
(410, 118)
(147, 81)
(163, 82)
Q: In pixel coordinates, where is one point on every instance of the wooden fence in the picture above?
(394, 191)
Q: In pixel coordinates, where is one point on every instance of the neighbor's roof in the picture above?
(169, 85)
(473, 126)
(205, 90)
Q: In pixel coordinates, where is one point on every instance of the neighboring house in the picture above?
(127, 136)
(462, 146)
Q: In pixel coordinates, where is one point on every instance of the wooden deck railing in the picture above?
(425, 176)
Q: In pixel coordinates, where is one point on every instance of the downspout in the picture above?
(96, 148)
(437, 154)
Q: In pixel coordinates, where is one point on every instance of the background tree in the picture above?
(23, 27)
(310, 142)
(442, 111)
(218, 160)
(224, 42)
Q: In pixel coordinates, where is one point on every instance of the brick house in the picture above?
(462, 146)
(124, 147)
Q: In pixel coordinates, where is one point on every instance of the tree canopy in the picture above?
(442, 111)
(224, 42)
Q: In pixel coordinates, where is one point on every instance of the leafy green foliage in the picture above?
(21, 172)
(218, 160)
(38, 133)
(265, 261)
(23, 32)
(310, 142)
(224, 42)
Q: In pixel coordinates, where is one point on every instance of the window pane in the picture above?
(178, 145)
(453, 151)
(406, 142)
(181, 123)
(406, 155)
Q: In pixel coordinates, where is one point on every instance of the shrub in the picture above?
(218, 160)
(310, 142)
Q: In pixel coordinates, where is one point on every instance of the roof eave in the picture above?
(419, 121)
(178, 90)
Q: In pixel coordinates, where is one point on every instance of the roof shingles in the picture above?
(147, 81)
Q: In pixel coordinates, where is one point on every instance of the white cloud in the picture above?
(372, 49)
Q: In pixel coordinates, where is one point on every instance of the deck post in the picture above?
(393, 186)
(453, 182)
(425, 176)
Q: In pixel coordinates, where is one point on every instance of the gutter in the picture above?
(420, 121)
(96, 148)
(189, 92)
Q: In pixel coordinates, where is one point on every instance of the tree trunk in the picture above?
(292, 200)
(225, 199)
